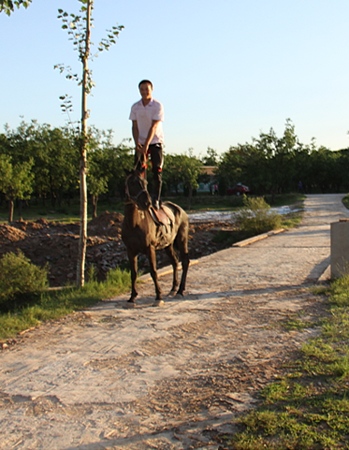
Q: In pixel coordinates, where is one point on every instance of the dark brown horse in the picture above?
(145, 231)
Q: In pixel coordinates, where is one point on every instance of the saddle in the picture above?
(162, 216)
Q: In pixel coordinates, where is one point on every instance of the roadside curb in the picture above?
(326, 275)
(258, 238)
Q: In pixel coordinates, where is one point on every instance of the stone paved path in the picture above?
(174, 377)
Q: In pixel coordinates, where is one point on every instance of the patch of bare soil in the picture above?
(55, 245)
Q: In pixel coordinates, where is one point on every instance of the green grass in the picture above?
(309, 407)
(345, 201)
(292, 219)
(298, 324)
(54, 304)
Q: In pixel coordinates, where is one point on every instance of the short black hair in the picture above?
(145, 81)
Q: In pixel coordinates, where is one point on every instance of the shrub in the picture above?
(18, 277)
(255, 217)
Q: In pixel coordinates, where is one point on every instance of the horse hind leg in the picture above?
(185, 267)
(154, 275)
(174, 262)
(182, 244)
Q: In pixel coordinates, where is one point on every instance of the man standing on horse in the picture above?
(147, 116)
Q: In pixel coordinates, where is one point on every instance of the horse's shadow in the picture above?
(170, 299)
(147, 301)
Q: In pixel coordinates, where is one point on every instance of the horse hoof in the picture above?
(130, 304)
(158, 303)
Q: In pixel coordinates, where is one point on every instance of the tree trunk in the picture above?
(190, 195)
(80, 275)
(11, 207)
(94, 206)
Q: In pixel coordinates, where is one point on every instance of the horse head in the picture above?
(136, 189)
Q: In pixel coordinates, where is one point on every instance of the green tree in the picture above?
(54, 153)
(56, 163)
(115, 161)
(279, 170)
(8, 6)
(237, 165)
(171, 176)
(183, 169)
(302, 166)
(4, 144)
(322, 169)
(343, 170)
(16, 181)
(106, 166)
(270, 164)
(211, 158)
(97, 180)
(79, 27)
(283, 167)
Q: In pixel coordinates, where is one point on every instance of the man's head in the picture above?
(145, 82)
(145, 89)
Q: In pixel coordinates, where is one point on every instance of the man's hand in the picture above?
(143, 149)
(139, 148)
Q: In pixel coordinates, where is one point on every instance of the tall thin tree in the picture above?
(79, 30)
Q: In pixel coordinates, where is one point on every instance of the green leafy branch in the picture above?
(8, 6)
(75, 24)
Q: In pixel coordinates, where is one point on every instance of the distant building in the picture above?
(209, 170)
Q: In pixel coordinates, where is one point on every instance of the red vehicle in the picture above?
(238, 189)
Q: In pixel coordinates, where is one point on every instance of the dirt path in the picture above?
(173, 377)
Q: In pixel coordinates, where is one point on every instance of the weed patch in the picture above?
(255, 217)
(308, 408)
(54, 304)
(20, 280)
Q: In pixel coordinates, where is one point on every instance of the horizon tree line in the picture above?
(39, 163)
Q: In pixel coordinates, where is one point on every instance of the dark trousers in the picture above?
(156, 157)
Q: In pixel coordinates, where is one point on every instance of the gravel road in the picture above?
(174, 377)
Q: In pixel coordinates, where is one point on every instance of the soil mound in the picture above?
(56, 245)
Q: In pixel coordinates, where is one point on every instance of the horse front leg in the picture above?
(154, 275)
(134, 268)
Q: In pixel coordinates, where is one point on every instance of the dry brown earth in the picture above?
(56, 245)
(174, 377)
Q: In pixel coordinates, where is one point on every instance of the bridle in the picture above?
(134, 198)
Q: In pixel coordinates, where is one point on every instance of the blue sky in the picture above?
(225, 70)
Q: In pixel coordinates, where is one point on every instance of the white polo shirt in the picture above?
(144, 115)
